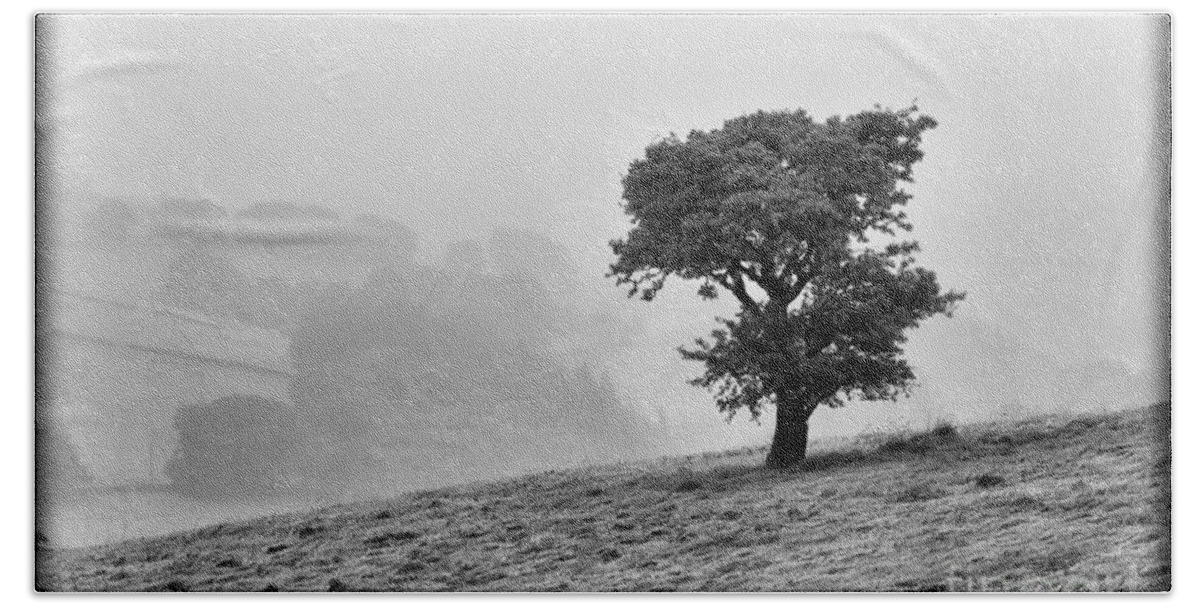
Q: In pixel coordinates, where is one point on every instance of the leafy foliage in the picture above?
(777, 209)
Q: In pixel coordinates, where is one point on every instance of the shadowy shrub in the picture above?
(940, 436)
(241, 445)
(943, 429)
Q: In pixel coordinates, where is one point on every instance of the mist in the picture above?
(407, 218)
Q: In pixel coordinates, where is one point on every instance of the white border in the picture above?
(17, 254)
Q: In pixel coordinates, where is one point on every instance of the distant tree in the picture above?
(777, 209)
(56, 462)
(238, 445)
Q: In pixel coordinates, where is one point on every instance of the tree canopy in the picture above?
(778, 209)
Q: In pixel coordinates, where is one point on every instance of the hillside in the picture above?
(1046, 504)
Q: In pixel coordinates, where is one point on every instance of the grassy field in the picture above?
(1047, 504)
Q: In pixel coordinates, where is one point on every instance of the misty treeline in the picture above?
(458, 370)
(408, 371)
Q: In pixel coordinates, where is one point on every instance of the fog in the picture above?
(490, 149)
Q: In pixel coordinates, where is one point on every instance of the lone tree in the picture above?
(778, 209)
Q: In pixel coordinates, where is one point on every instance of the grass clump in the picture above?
(384, 540)
(988, 480)
(175, 585)
(920, 492)
(691, 484)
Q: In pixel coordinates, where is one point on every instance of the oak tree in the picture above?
(780, 211)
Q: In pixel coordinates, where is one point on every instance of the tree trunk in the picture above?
(790, 443)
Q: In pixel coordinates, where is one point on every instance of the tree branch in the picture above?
(736, 284)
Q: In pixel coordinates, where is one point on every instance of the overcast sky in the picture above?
(1039, 193)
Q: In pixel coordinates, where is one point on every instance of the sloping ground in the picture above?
(1048, 504)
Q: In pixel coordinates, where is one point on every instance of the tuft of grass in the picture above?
(307, 531)
(410, 567)
(798, 514)
(922, 586)
(920, 492)
(1019, 502)
(988, 480)
(174, 585)
(384, 540)
(609, 554)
